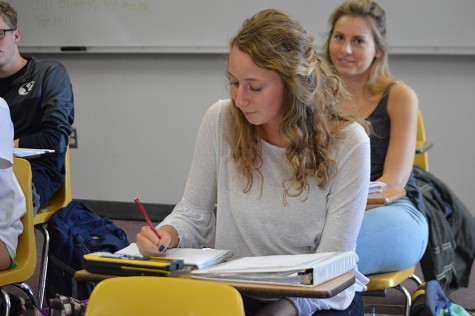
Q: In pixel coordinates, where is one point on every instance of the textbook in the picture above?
(196, 257)
(123, 264)
(307, 270)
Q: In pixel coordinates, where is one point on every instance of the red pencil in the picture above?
(145, 215)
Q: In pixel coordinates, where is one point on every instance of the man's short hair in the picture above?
(8, 14)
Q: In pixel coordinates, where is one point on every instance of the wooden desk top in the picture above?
(387, 197)
(325, 290)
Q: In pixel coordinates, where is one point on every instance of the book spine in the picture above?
(333, 267)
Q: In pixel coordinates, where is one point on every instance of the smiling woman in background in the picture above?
(392, 237)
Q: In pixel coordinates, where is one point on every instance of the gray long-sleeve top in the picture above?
(259, 222)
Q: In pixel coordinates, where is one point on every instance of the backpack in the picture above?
(76, 230)
(65, 306)
(20, 306)
(429, 299)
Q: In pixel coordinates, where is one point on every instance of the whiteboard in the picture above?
(205, 26)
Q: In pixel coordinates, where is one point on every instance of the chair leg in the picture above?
(407, 297)
(28, 292)
(416, 279)
(44, 265)
(6, 300)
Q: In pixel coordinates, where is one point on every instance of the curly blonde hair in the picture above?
(312, 98)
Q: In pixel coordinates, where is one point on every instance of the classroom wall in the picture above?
(206, 25)
(137, 117)
(137, 114)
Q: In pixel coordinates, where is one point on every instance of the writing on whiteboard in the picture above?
(47, 11)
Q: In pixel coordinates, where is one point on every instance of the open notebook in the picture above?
(198, 258)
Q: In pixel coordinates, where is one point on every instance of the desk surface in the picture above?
(387, 197)
(325, 290)
(30, 153)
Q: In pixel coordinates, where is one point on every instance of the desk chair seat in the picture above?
(144, 295)
(26, 249)
(59, 200)
(380, 283)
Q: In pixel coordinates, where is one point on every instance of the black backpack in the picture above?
(76, 230)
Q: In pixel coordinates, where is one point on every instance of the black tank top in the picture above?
(379, 138)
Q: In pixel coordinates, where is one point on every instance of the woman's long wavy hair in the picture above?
(380, 78)
(312, 98)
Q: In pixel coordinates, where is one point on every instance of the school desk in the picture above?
(324, 290)
(31, 153)
(387, 197)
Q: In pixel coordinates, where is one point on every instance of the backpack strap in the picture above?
(66, 306)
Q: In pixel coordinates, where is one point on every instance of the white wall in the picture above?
(446, 89)
(206, 25)
(137, 117)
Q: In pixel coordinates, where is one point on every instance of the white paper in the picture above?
(199, 258)
(276, 263)
(29, 152)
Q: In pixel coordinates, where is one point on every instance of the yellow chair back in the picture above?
(422, 145)
(144, 295)
(61, 198)
(26, 249)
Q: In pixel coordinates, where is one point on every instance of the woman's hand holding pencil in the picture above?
(150, 241)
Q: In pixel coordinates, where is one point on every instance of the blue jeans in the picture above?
(356, 308)
(36, 200)
(392, 237)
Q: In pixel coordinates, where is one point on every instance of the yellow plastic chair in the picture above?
(144, 295)
(26, 249)
(422, 145)
(59, 200)
(381, 282)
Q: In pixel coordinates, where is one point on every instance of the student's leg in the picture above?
(392, 237)
(252, 305)
(356, 308)
(36, 199)
(5, 258)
